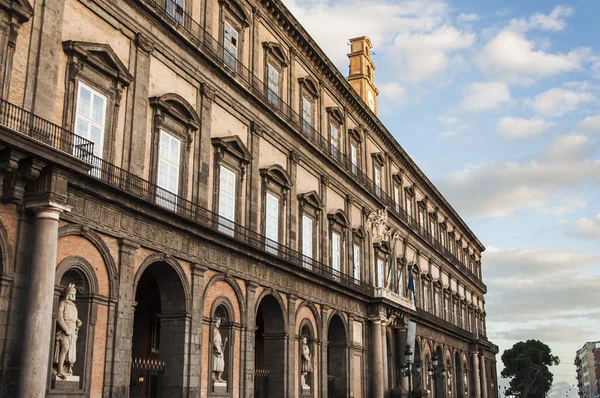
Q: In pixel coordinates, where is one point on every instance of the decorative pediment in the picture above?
(359, 232)
(178, 108)
(410, 190)
(21, 9)
(277, 174)
(384, 246)
(397, 178)
(355, 134)
(312, 199)
(438, 283)
(338, 216)
(234, 146)
(335, 113)
(101, 57)
(310, 86)
(238, 10)
(378, 158)
(277, 51)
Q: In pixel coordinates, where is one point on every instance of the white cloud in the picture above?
(499, 189)
(590, 124)
(558, 101)
(515, 127)
(448, 120)
(485, 96)
(393, 92)
(546, 22)
(511, 57)
(587, 228)
(467, 17)
(566, 206)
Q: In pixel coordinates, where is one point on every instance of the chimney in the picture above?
(361, 71)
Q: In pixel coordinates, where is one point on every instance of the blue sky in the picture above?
(499, 104)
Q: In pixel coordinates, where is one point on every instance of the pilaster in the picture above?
(248, 382)
(292, 345)
(200, 192)
(195, 348)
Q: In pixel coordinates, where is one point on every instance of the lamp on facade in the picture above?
(410, 369)
(436, 371)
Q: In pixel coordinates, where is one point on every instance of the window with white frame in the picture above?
(400, 281)
(273, 85)
(334, 137)
(307, 240)
(272, 222)
(169, 157)
(409, 205)
(443, 238)
(90, 116)
(336, 255)
(377, 175)
(227, 183)
(175, 10)
(431, 225)
(379, 272)
(356, 260)
(446, 315)
(306, 116)
(354, 158)
(421, 218)
(454, 314)
(230, 43)
(462, 317)
(425, 298)
(397, 198)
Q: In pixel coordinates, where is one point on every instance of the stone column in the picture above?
(384, 356)
(134, 158)
(200, 193)
(477, 385)
(248, 382)
(484, 383)
(195, 348)
(377, 386)
(324, 358)
(117, 381)
(292, 203)
(292, 347)
(324, 252)
(253, 212)
(37, 340)
(401, 336)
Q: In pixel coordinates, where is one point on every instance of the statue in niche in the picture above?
(307, 366)
(218, 353)
(68, 324)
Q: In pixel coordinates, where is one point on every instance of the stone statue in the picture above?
(68, 324)
(378, 220)
(306, 363)
(218, 353)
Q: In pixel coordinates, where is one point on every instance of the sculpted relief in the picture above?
(67, 329)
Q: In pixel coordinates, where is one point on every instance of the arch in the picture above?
(310, 85)
(100, 245)
(241, 302)
(277, 296)
(6, 256)
(239, 10)
(83, 266)
(179, 108)
(278, 174)
(337, 356)
(313, 309)
(174, 265)
(339, 216)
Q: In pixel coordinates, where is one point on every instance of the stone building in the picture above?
(183, 161)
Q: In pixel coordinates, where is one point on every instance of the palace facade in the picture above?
(183, 161)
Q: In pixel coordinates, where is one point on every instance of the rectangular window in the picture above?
(273, 85)
(446, 315)
(454, 314)
(272, 223)
(431, 227)
(175, 10)
(408, 206)
(230, 43)
(227, 182)
(421, 218)
(336, 256)
(451, 246)
(379, 272)
(443, 238)
(356, 259)
(400, 281)
(306, 116)
(307, 241)
(469, 327)
(397, 198)
(169, 153)
(90, 116)
(334, 137)
(436, 303)
(354, 158)
(462, 317)
(377, 175)
(425, 298)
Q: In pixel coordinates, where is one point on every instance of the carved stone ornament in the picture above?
(378, 222)
(144, 43)
(208, 91)
(67, 328)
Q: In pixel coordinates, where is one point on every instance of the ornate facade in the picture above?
(233, 216)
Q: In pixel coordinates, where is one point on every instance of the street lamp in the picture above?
(436, 372)
(410, 369)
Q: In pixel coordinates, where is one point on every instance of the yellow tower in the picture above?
(361, 71)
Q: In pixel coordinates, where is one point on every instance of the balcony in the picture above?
(25, 123)
(387, 294)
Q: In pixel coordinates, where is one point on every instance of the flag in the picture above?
(391, 265)
(411, 287)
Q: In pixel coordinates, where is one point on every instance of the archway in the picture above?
(159, 333)
(269, 349)
(337, 367)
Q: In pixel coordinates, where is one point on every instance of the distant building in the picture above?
(587, 361)
(562, 390)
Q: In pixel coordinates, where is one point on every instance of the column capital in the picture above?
(127, 244)
(198, 269)
(47, 208)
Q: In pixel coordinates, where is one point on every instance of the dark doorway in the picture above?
(337, 354)
(269, 350)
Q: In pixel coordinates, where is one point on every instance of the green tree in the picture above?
(527, 364)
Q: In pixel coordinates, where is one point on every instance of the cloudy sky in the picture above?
(499, 104)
